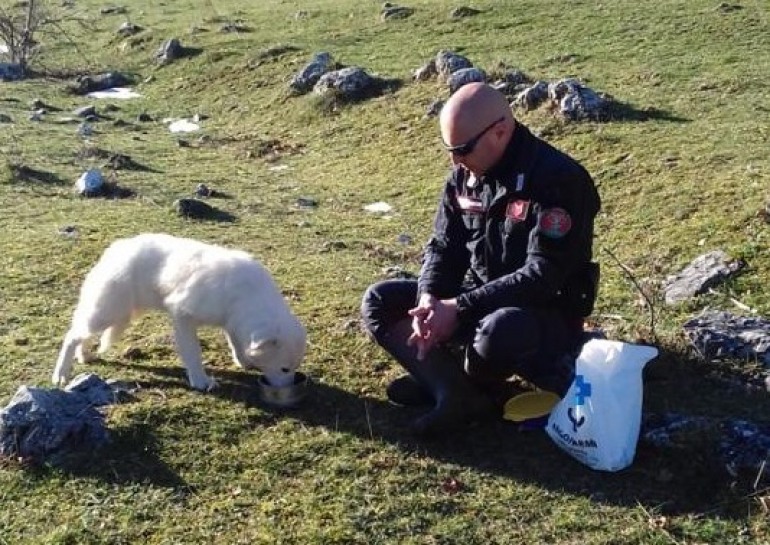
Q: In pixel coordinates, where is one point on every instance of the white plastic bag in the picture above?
(597, 422)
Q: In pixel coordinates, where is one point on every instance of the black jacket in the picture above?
(519, 237)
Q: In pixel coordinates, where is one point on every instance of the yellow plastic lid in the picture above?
(530, 405)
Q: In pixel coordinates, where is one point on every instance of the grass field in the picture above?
(684, 172)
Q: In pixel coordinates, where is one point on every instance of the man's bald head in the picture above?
(469, 111)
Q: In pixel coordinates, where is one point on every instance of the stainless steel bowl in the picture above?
(283, 396)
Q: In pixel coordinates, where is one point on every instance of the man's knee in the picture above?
(507, 333)
(386, 302)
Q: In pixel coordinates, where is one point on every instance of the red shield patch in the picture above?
(554, 222)
(517, 210)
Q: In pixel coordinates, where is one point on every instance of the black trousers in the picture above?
(538, 345)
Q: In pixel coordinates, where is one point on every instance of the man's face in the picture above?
(471, 153)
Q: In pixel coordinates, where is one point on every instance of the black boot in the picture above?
(458, 402)
(406, 391)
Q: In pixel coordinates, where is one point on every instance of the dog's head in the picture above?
(277, 356)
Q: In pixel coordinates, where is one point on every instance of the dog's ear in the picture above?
(258, 348)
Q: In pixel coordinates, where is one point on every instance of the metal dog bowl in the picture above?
(283, 396)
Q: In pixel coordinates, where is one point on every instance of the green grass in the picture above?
(686, 174)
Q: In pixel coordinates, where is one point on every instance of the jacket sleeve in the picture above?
(559, 246)
(446, 258)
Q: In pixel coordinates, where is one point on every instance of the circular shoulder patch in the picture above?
(554, 222)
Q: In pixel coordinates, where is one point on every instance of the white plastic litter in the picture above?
(598, 421)
(117, 93)
(183, 125)
(90, 182)
(379, 207)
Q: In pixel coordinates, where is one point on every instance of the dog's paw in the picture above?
(59, 379)
(204, 384)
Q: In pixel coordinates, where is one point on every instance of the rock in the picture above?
(85, 130)
(169, 51)
(38, 424)
(85, 111)
(144, 117)
(464, 76)
(234, 27)
(351, 82)
(306, 202)
(390, 11)
(531, 97)
(704, 272)
(304, 81)
(719, 334)
(435, 108)
(90, 183)
(426, 71)
(196, 209)
(128, 29)
(100, 82)
(113, 10)
(576, 101)
(5, 118)
(202, 190)
(448, 62)
(463, 11)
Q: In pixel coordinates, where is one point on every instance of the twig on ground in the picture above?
(644, 295)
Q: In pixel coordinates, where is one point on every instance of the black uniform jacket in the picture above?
(521, 236)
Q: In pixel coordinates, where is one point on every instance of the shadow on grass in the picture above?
(24, 173)
(131, 457)
(681, 479)
(616, 110)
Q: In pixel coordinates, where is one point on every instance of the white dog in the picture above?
(196, 284)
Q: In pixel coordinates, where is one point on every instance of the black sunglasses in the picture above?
(470, 145)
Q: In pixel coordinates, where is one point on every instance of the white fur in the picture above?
(196, 284)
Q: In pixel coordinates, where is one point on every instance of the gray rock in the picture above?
(306, 78)
(100, 82)
(448, 62)
(576, 101)
(704, 272)
(531, 97)
(426, 71)
(435, 108)
(39, 423)
(5, 118)
(463, 11)
(85, 111)
(351, 82)
(113, 10)
(741, 445)
(719, 334)
(464, 76)
(169, 51)
(128, 29)
(390, 11)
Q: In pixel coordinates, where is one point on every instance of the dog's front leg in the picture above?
(237, 356)
(189, 348)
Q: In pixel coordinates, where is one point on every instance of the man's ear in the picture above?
(258, 348)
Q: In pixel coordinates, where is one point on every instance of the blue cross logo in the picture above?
(583, 390)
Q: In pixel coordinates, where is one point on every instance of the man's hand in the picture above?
(420, 330)
(433, 321)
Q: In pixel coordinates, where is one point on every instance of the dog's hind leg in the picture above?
(72, 344)
(189, 348)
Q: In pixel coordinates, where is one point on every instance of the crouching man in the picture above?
(507, 276)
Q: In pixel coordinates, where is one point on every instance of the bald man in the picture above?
(506, 278)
